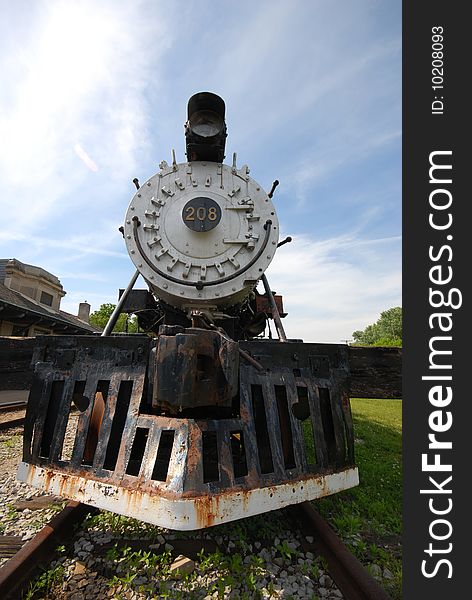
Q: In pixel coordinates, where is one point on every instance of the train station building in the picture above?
(30, 303)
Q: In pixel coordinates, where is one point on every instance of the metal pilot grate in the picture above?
(299, 423)
(103, 381)
(288, 425)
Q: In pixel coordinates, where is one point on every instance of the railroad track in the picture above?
(15, 405)
(16, 574)
(351, 578)
(10, 423)
(355, 582)
(15, 420)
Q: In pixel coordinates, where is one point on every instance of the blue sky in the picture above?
(94, 94)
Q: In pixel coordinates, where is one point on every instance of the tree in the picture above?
(387, 331)
(100, 317)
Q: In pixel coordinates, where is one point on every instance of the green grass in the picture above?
(119, 525)
(41, 587)
(369, 517)
(11, 442)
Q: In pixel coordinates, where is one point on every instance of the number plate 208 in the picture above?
(201, 214)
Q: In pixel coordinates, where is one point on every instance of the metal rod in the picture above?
(252, 361)
(116, 313)
(275, 310)
(285, 241)
(245, 355)
(272, 190)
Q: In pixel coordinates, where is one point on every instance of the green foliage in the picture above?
(128, 563)
(285, 551)
(387, 331)
(231, 570)
(119, 525)
(394, 342)
(125, 322)
(314, 571)
(12, 441)
(43, 585)
(10, 516)
(351, 524)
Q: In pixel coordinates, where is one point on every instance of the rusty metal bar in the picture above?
(350, 576)
(245, 355)
(17, 572)
(275, 310)
(252, 361)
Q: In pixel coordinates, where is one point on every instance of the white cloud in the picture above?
(77, 245)
(328, 160)
(85, 158)
(84, 71)
(335, 286)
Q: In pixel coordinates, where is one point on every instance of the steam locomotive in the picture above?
(200, 420)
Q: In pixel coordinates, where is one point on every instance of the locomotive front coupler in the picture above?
(195, 369)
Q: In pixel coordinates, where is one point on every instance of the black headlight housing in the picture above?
(205, 129)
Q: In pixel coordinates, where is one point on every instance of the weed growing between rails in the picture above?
(259, 557)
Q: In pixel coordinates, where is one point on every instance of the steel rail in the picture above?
(37, 552)
(17, 422)
(20, 404)
(354, 581)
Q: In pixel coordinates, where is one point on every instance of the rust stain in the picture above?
(245, 497)
(194, 452)
(48, 475)
(96, 418)
(207, 510)
(133, 500)
(29, 476)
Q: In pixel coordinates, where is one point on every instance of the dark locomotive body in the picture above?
(201, 422)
